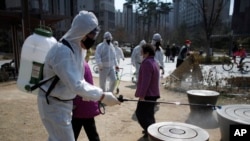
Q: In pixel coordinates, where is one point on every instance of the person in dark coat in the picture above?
(167, 53)
(173, 52)
(184, 51)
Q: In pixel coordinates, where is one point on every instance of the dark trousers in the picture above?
(241, 60)
(89, 127)
(145, 113)
(179, 62)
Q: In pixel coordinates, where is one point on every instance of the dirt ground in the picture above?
(19, 119)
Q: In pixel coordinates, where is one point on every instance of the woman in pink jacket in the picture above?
(85, 111)
(147, 88)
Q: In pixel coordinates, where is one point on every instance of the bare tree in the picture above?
(210, 10)
(150, 11)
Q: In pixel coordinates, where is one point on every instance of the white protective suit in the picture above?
(106, 60)
(159, 54)
(136, 57)
(68, 66)
(119, 52)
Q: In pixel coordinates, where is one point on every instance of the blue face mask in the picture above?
(88, 42)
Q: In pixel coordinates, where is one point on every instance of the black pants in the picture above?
(89, 127)
(241, 60)
(145, 113)
(179, 62)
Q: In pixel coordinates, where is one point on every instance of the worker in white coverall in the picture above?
(159, 53)
(55, 109)
(106, 60)
(119, 52)
(136, 58)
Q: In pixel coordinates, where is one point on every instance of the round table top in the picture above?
(203, 93)
(175, 131)
(239, 113)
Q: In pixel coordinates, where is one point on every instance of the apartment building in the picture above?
(188, 13)
(21, 17)
(136, 28)
(241, 17)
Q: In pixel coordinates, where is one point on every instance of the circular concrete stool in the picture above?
(238, 114)
(175, 131)
(202, 97)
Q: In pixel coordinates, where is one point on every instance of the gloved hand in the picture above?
(109, 99)
(117, 68)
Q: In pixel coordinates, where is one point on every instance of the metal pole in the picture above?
(121, 99)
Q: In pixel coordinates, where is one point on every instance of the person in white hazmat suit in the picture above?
(119, 52)
(55, 110)
(136, 58)
(107, 63)
(159, 53)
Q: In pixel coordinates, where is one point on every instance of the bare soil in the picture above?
(19, 118)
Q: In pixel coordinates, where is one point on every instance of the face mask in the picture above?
(157, 44)
(108, 41)
(88, 42)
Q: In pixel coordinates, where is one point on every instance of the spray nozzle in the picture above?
(120, 98)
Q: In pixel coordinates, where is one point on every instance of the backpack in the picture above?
(54, 82)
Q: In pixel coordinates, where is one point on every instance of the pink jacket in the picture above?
(242, 53)
(85, 109)
(148, 81)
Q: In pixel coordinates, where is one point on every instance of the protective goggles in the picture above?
(95, 32)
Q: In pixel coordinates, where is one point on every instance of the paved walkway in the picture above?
(218, 72)
(128, 69)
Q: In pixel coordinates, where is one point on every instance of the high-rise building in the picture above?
(119, 20)
(189, 12)
(241, 17)
(129, 22)
(106, 14)
(103, 9)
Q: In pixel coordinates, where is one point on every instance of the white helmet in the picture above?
(115, 43)
(107, 35)
(157, 37)
(143, 42)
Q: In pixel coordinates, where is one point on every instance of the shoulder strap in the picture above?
(31, 88)
(56, 78)
(65, 42)
(51, 87)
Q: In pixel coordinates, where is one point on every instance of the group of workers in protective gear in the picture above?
(66, 60)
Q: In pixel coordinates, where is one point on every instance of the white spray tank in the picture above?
(34, 51)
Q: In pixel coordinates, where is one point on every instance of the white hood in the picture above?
(83, 23)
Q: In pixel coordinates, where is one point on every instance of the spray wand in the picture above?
(121, 99)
